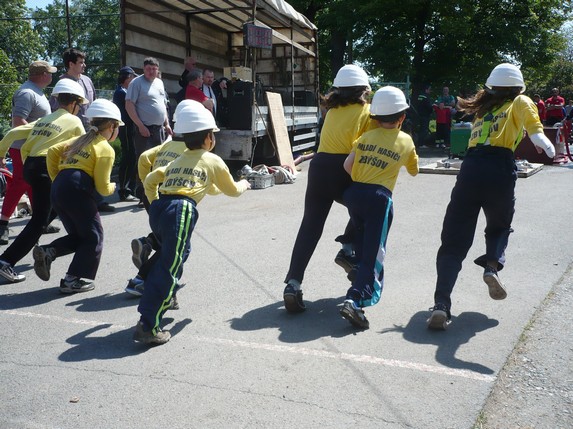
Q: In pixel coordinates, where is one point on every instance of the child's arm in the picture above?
(146, 160)
(53, 159)
(151, 183)
(412, 166)
(349, 162)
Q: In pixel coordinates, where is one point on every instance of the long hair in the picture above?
(487, 100)
(98, 124)
(345, 96)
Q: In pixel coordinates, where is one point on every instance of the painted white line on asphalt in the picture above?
(373, 360)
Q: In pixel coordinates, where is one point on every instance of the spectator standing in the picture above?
(425, 110)
(54, 128)
(80, 170)
(146, 104)
(446, 98)
(540, 107)
(128, 161)
(486, 181)
(29, 103)
(443, 124)
(194, 92)
(554, 106)
(189, 64)
(75, 64)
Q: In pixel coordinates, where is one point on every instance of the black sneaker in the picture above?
(7, 271)
(147, 337)
(292, 297)
(4, 234)
(354, 314)
(43, 258)
(141, 250)
(105, 208)
(496, 289)
(347, 262)
(440, 317)
(76, 286)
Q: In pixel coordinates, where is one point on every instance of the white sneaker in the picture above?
(8, 272)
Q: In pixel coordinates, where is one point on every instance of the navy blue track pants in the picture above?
(371, 210)
(486, 181)
(172, 219)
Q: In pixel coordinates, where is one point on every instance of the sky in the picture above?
(38, 3)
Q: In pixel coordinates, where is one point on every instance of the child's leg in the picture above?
(172, 221)
(376, 218)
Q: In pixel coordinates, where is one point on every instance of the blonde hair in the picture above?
(98, 125)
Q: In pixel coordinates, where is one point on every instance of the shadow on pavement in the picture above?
(462, 329)
(321, 319)
(13, 301)
(116, 345)
(104, 302)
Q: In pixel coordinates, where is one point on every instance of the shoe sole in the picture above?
(293, 304)
(438, 320)
(152, 340)
(133, 291)
(357, 323)
(41, 269)
(137, 250)
(495, 287)
(346, 266)
(2, 241)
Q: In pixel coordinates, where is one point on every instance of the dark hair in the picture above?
(123, 77)
(65, 99)
(344, 96)
(195, 140)
(72, 55)
(394, 117)
(150, 61)
(194, 75)
(487, 100)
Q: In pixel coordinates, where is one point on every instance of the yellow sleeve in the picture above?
(213, 190)
(412, 166)
(53, 159)
(151, 183)
(102, 172)
(19, 133)
(529, 115)
(225, 182)
(146, 160)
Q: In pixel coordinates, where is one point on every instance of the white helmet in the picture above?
(505, 75)
(387, 101)
(102, 108)
(181, 105)
(194, 117)
(351, 75)
(69, 86)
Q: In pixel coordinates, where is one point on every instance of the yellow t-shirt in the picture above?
(159, 156)
(342, 126)
(192, 175)
(49, 130)
(379, 155)
(508, 123)
(14, 136)
(96, 159)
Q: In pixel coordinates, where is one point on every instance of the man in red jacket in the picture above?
(554, 106)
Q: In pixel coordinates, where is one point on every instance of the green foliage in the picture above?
(9, 79)
(17, 38)
(94, 29)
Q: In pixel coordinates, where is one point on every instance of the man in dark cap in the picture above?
(128, 162)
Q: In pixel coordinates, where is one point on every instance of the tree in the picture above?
(17, 38)
(94, 29)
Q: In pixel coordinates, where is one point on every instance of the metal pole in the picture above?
(68, 24)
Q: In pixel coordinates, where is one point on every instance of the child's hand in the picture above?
(246, 183)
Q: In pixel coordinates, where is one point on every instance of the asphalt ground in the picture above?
(236, 359)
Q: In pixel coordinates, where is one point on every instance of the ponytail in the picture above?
(97, 125)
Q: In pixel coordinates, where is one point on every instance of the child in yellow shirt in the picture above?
(374, 164)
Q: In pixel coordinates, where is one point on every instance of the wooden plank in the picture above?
(280, 132)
